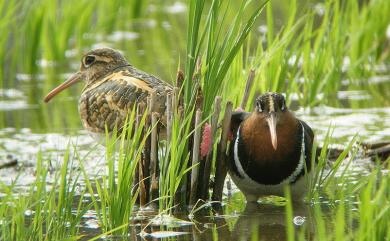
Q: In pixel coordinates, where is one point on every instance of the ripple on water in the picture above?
(176, 7)
(370, 124)
(24, 146)
(162, 234)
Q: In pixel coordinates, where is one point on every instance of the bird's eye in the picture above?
(283, 108)
(89, 60)
(259, 106)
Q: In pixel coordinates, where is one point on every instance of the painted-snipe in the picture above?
(112, 88)
(271, 148)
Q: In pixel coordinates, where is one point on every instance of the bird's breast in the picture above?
(258, 159)
(256, 135)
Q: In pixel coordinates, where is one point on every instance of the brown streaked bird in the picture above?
(112, 87)
(271, 148)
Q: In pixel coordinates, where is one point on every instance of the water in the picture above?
(28, 126)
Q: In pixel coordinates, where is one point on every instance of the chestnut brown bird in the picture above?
(271, 148)
(112, 87)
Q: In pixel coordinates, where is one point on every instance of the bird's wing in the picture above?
(109, 101)
(109, 104)
(151, 79)
(125, 77)
(141, 85)
(152, 83)
(308, 131)
(309, 138)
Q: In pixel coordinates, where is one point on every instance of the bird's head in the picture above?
(271, 106)
(94, 64)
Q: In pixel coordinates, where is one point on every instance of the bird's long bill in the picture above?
(71, 81)
(271, 120)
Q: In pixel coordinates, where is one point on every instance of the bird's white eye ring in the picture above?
(283, 105)
(258, 104)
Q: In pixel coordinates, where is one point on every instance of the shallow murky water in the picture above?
(234, 221)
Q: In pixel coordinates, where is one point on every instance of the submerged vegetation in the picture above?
(313, 53)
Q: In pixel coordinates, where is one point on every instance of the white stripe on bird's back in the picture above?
(301, 163)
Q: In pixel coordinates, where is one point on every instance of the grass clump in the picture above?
(343, 205)
(216, 46)
(116, 190)
(312, 55)
(210, 52)
(48, 211)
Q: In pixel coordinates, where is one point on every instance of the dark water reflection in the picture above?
(254, 222)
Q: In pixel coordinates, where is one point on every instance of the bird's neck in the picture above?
(255, 132)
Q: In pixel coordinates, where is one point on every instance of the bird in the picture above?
(270, 149)
(112, 88)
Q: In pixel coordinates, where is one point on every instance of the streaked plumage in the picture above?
(112, 88)
(270, 149)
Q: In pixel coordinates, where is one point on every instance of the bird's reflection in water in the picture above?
(258, 221)
(268, 222)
